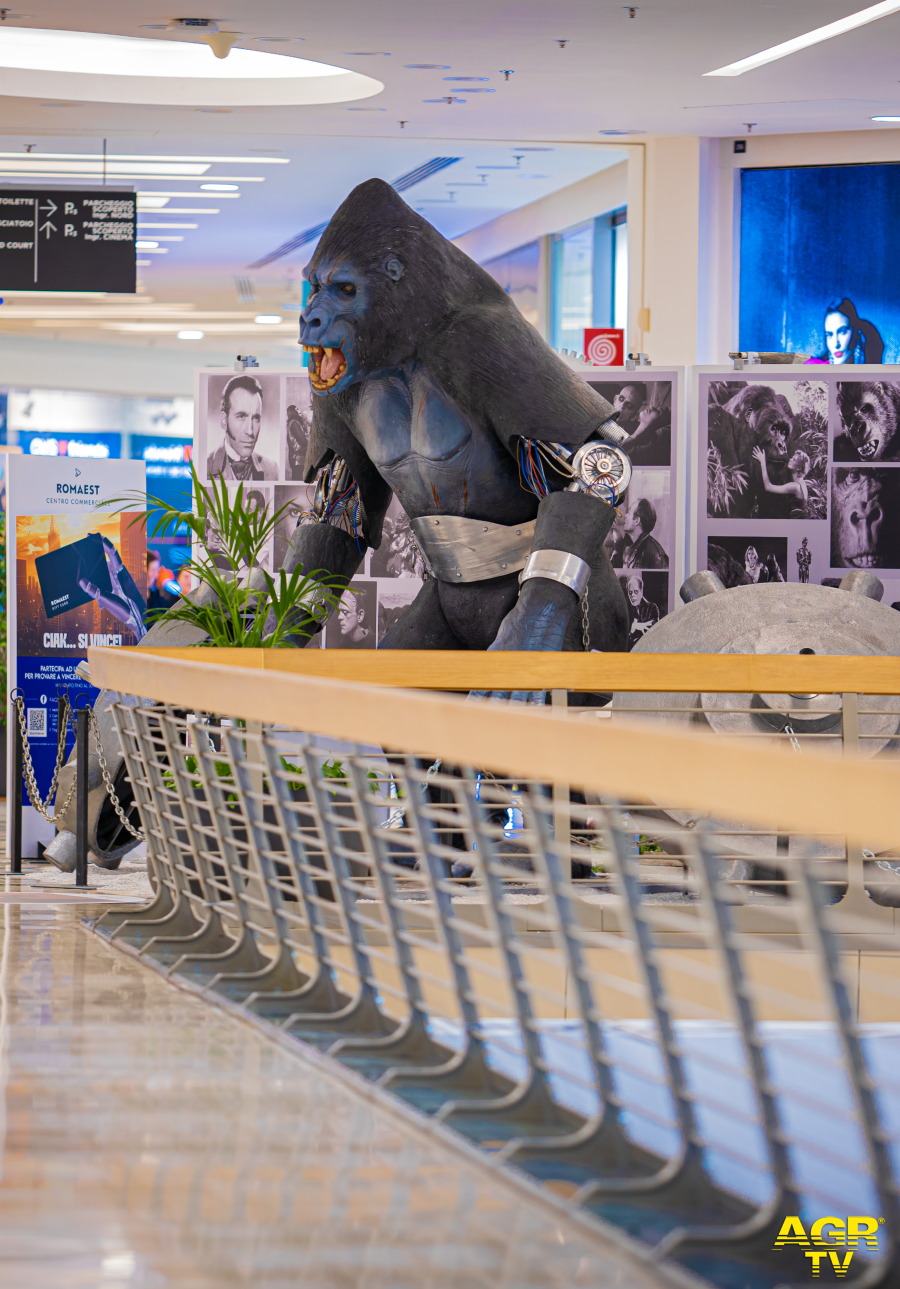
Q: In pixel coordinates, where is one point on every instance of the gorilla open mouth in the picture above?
(862, 561)
(327, 365)
(868, 448)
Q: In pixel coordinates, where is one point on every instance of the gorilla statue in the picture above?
(430, 385)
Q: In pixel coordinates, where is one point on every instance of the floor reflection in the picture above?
(149, 1140)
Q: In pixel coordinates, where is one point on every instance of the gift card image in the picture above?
(59, 573)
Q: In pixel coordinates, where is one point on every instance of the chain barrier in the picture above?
(108, 783)
(585, 623)
(34, 796)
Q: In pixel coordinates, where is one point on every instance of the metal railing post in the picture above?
(15, 838)
(81, 797)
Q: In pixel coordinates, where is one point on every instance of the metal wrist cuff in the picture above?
(611, 432)
(558, 566)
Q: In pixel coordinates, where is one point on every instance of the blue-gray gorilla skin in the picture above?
(425, 374)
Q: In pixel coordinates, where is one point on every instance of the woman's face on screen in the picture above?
(838, 337)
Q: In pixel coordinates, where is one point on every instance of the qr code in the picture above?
(37, 722)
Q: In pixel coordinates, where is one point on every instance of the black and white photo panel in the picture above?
(298, 422)
(241, 427)
(293, 500)
(797, 475)
(739, 561)
(767, 449)
(865, 517)
(641, 536)
(648, 601)
(354, 624)
(645, 414)
(393, 600)
(399, 554)
(869, 421)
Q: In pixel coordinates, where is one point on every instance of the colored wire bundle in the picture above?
(531, 468)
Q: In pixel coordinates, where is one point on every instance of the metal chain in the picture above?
(34, 796)
(104, 770)
(585, 623)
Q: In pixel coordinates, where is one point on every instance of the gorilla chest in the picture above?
(430, 453)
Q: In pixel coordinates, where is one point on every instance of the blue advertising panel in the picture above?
(86, 446)
(819, 273)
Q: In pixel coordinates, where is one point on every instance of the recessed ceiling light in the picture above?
(815, 37)
(428, 67)
(621, 131)
(476, 89)
(146, 246)
(467, 78)
(132, 69)
(190, 335)
(448, 98)
(219, 187)
(277, 40)
(268, 319)
(886, 118)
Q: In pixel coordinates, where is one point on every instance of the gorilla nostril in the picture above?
(315, 322)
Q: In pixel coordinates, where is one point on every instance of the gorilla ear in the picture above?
(394, 269)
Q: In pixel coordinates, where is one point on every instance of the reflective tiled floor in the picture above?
(150, 1140)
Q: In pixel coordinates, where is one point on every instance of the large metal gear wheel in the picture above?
(773, 618)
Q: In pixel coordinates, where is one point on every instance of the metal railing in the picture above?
(659, 1046)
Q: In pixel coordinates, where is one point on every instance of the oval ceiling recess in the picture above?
(91, 66)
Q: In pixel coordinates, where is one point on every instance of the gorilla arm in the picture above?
(323, 547)
(495, 365)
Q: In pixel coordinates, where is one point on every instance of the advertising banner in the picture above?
(797, 471)
(270, 420)
(76, 576)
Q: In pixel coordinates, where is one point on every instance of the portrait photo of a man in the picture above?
(243, 417)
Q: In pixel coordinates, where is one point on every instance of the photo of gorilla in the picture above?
(870, 421)
(865, 518)
(767, 450)
(741, 561)
(430, 387)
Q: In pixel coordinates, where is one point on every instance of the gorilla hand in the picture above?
(537, 621)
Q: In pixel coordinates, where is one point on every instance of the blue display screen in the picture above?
(814, 239)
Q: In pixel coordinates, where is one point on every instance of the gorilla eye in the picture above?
(348, 289)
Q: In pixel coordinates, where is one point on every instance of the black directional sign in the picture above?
(60, 240)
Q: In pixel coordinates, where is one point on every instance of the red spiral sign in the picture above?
(604, 346)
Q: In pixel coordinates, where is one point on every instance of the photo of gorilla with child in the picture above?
(767, 450)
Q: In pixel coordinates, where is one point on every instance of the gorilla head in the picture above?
(870, 413)
(861, 533)
(382, 280)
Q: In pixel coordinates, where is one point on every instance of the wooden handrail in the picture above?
(724, 673)
(813, 793)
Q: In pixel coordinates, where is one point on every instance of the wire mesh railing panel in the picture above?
(675, 1033)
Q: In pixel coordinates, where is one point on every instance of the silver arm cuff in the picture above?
(611, 432)
(558, 566)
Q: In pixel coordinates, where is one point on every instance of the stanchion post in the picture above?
(15, 837)
(81, 798)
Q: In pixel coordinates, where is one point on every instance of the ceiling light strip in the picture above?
(839, 28)
(147, 157)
